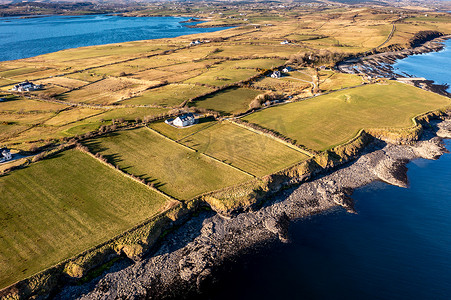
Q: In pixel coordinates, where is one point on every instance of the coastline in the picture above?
(196, 263)
(189, 257)
(96, 35)
(381, 65)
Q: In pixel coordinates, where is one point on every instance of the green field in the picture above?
(260, 63)
(59, 207)
(72, 115)
(168, 95)
(173, 168)
(220, 76)
(249, 151)
(333, 81)
(128, 113)
(230, 101)
(322, 122)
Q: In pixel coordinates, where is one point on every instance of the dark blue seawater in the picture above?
(21, 38)
(434, 66)
(398, 246)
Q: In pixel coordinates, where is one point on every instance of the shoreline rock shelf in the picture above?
(381, 65)
(188, 257)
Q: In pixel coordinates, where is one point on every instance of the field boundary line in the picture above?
(173, 141)
(170, 198)
(201, 153)
(305, 152)
(202, 129)
(220, 161)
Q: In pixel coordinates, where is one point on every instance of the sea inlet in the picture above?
(27, 37)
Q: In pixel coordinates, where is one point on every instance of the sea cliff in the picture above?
(188, 258)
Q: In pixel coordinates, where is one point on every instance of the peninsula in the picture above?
(113, 148)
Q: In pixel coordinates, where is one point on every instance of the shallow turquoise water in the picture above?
(21, 38)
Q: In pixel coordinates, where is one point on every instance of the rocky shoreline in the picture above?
(381, 65)
(185, 262)
(188, 258)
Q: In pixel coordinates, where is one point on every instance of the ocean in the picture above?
(27, 37)
(397, 246)
(434, 65)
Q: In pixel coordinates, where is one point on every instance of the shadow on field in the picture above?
(95, 146)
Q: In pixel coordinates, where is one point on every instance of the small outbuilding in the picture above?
(5, 154)
(184, 120)
(287, 69)
(276, 74)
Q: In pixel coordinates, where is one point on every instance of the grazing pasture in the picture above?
(59, 207)
(325, 121)
(244, 149)
(85, 76)
(127, 114)
(329, 81)
(72, 115)
(9, 131)
(230, 101)
(65, 82)
(107, 91)
(173, 168)
(168, 95)
(221, 75)
(260, 63)
(257, 51)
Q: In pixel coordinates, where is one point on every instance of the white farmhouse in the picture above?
(5, 154)
(276, 74)
(196, 42)
(184, 120)
(26, 86)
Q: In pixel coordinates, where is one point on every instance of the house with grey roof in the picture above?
(276, 74)
(184, 120)
(5, 154)
(26, 86)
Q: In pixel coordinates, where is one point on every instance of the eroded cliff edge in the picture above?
(187, 260)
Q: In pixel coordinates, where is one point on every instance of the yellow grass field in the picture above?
(174, 169)
(107, 91)
(168, 95)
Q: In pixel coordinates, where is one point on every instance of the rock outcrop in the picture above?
(187, 260)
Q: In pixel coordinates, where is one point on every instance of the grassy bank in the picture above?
(325, 121)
